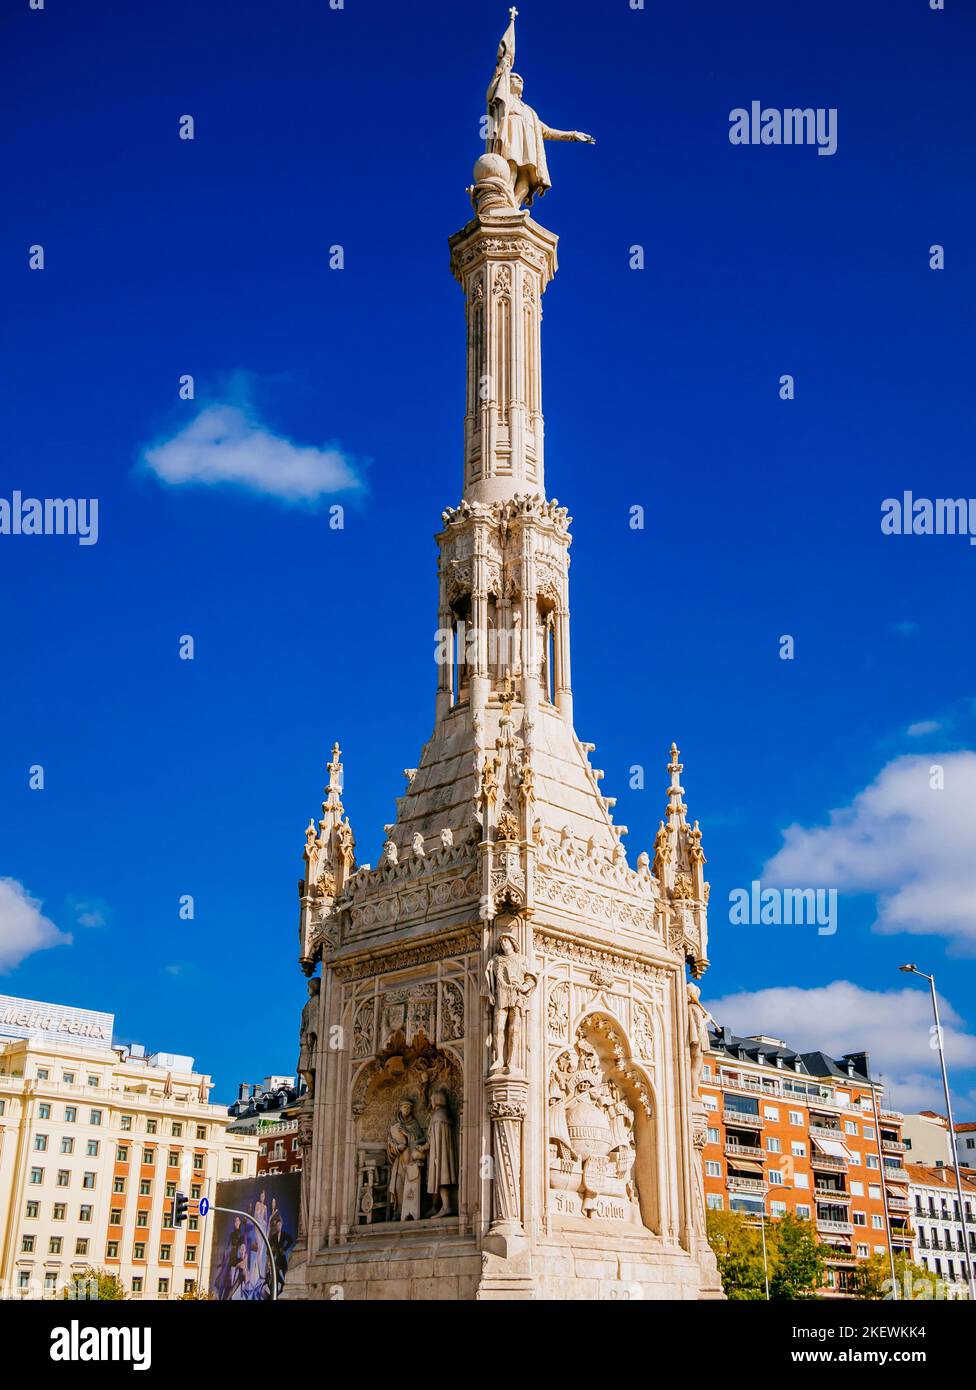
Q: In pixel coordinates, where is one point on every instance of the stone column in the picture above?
(507, 1105)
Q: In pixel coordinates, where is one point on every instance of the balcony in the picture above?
(830, 1194)
(752, 1185)
(741, 1119)
(899, 1204)
(836, 1165)
(735, 1150)
(832, 1227)
(826, 1132)
(838, 1257)
(893, 1146)
(895, 1174)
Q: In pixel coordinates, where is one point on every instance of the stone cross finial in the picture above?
(513, 14)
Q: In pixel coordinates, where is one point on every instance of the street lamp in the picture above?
(970, 1257)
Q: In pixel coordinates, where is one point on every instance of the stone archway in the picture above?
(602, 1141)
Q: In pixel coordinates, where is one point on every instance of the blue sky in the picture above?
(359, 127)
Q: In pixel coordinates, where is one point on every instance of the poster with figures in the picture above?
(240, 1268)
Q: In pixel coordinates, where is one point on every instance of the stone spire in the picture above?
(330, 859)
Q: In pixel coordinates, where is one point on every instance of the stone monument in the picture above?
(502, 1058)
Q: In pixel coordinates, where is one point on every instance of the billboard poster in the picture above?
(239, 1267)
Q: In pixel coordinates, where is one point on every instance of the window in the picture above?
(37, 1176)
(710, 1102)
(60, 1211)
(84, 1213)
(168, 1220)
(145, 1187)
(118, 1185)
(279, 1148)
(713, 1169)
(43, 1074)
(112, 1250)
(171, 1189)
(139, 1250)
(775, 1177)
(43, 1112)
(165, 1252)
(91, 1148)
(714, 1201)
(40, 1143)
(122, 1153)
(874, 1191)
(863, 1251)
(771, 1112)
(237, 1165)
(54, 1245)
(93, 1081)
(142, 1218)
(193, 1223)
(198, 1161)
(854, 1158)
(711, 1136)
(177, 1129)
(802, 1212)
(70, 1114)
(68, 1078)
(173, 1158)
(151, 1126)
(773, 1146)
(162, 1286)
(872, 1160)
(801, 1179)
(201, 1131)
(81, 1246)
(88, 1180)
(859, 1218)
(877, 1222)
(850, 1127)
(125, 1123)
(115, 1217)
(137, 1285)
(149, 1156)
(777, 1209)
(798, 1149)
(23, 1279)
(189, 1285)
(869, 1131)
(33, 1209)
(67, 1145)
(27, 1245)
(94, 1117)
(3, 1105)
(857, 1189)
(196, 1190)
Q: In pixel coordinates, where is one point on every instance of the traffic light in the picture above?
(180, 1205)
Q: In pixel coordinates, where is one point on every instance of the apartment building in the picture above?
(927, 1137)
(95, 1140)
(939, 1242)
(265, 1111)
(796, 1132)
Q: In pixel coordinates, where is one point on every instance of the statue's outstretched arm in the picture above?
(575, 135)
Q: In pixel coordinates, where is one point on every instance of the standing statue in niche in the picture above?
(510, 983)
(515, 132)
(442, 1164)
(406, 1148)
(698, 1039)
(308, 1036)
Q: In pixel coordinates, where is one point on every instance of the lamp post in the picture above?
(971, 1277)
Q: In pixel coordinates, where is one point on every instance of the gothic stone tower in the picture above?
(503, 1054)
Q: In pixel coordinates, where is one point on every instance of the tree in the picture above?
(737, 1244)
(796, 1261)
(872, 1279)
(91, 1283)
(195, 1293)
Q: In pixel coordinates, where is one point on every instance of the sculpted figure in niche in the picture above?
(510, 983)
(698, 1039)
(308, 1036)
(406, 1147)
(442, 1167)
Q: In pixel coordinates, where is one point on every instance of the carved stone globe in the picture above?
(491, 166)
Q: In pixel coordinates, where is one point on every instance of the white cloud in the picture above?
(225, 445)
(902, 840)
(23, 927)
(894, 1027)
(924, 726)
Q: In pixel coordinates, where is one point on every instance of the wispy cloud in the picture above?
(907, 838)
(23, 927)
(906, 628)
(225, 445)
(89, 912)
(923, 727)
(893, 1026)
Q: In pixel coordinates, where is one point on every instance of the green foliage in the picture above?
(872, 1279)
(794, 1258)
(93, 1284)
(194, 1294)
